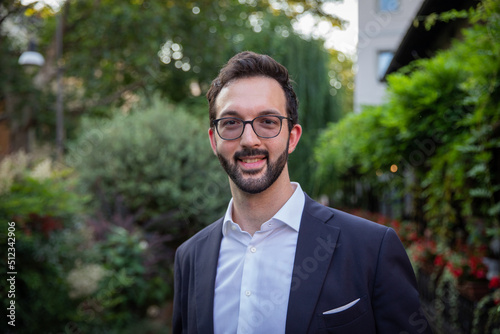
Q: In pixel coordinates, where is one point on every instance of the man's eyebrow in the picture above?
(234, 113)
(227, 113)
(269, 112)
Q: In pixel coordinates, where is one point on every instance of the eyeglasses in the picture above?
(231, 128)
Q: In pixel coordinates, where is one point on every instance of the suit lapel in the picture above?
(207, 255)
(315, 246)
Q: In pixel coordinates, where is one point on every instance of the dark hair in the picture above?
(249, 64)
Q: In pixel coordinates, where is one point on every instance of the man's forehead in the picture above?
(257, 94)
(257, 82)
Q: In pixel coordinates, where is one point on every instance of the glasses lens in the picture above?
(230, 128)
(267, 126)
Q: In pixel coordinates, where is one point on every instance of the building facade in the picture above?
(382, 26)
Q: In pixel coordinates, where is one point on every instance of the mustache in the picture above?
(250, 152)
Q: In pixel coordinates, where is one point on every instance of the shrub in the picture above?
(118, 290)
(40, 200)
(154, 181)
(155, 164)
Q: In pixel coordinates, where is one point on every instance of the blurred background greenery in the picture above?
(97, 227)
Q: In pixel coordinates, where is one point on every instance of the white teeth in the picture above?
(249, 161)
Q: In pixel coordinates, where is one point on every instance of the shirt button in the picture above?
(248, 293)
(253, 249)
(233, 228)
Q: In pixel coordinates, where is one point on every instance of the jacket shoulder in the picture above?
(201, 235)
(350, 220)
(343, 220)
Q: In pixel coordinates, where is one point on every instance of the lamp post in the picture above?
(31, 57)
(59, 102)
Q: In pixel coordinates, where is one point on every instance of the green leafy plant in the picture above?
(446, 303)
(436, 140)
(120, 291)
(40, 200)
(487, 314)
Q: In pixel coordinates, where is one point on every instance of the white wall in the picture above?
(378, 31)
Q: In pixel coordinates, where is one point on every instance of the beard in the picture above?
(254, 185)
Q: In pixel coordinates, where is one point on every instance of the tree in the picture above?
(178, 50)
(112, 48)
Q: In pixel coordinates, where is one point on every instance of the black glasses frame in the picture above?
(281, 118)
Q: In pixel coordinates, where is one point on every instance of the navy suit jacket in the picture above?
(339, 258)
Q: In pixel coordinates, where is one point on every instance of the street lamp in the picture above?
(31, 57)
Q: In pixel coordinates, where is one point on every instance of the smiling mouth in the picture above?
(251, 161)
(249, 156)
(252, 165)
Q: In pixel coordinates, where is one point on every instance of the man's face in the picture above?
(253, 163)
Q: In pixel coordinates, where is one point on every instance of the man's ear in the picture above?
(213, 143)
(294, 137)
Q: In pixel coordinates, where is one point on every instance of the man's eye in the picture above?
(231, 122)
(269, 121)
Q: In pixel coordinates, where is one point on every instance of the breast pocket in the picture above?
(346, 314)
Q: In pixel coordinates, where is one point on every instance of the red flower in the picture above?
(455, 271)
(396, 224)
(481, 273)
(413, 236)
(474, 262)
(494, 283)
(439, 261)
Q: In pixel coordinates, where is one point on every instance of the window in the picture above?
(383, 60)
(388, 5)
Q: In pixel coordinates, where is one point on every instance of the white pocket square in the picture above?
(342, 308)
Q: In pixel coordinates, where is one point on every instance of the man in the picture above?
(279, 262)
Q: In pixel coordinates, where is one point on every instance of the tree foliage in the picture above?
(112, 48)
(115, 52)
(309, 67)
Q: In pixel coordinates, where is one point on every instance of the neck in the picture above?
(250, 211)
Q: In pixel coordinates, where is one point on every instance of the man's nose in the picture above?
(249, 138)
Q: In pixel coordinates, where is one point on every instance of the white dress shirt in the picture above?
(254, 273)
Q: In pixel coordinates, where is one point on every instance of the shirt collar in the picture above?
(228, 219)
(290, 213)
